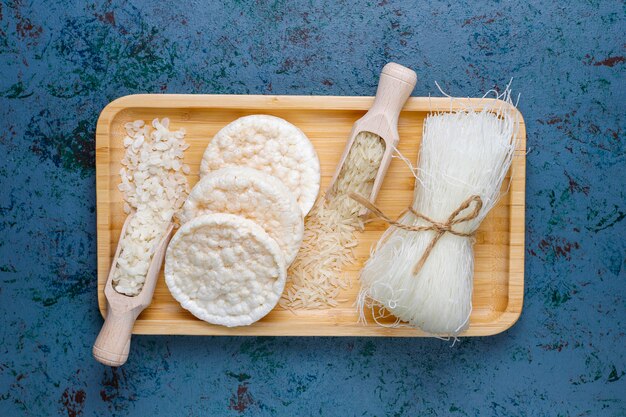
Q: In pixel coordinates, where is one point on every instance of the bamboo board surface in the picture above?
(326, 120)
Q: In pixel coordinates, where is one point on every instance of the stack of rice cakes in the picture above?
(243, 222)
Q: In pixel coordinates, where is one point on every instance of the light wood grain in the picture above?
(327, 121)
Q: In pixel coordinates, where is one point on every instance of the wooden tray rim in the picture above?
(282, 102)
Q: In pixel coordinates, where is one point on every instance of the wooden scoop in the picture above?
(113, 343)
(394, 88)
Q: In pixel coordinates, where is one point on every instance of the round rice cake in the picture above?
(272, 145)
(252, 194)
(225, 269)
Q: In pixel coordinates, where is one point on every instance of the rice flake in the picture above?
(154, 186)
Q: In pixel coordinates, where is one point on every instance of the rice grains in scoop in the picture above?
(315, 277)
(154, 186)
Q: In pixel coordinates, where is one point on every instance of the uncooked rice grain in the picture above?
(330, 231)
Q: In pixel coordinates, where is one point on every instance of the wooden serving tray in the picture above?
(499, 249)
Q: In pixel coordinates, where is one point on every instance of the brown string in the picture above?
(439, 228)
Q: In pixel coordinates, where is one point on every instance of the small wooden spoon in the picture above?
(113, 343)
(394, 88)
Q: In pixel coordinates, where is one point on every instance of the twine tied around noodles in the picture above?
(439, 228)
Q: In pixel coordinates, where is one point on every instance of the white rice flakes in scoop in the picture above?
(225, 269)
(155, 186)
(272, 145)
(254, 195)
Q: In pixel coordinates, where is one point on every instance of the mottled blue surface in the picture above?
(61, 62)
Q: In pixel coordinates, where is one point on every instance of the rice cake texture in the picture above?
(252, 194)
(225, 269)
(272, 145)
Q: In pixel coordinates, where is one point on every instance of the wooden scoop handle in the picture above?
(113, 343)
(394, 87)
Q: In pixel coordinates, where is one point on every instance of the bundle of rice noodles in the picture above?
(421, 270)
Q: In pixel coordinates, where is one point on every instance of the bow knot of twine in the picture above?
(439, 228)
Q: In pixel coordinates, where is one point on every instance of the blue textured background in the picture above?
(61, 62)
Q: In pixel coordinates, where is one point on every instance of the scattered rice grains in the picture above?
(315, 277)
